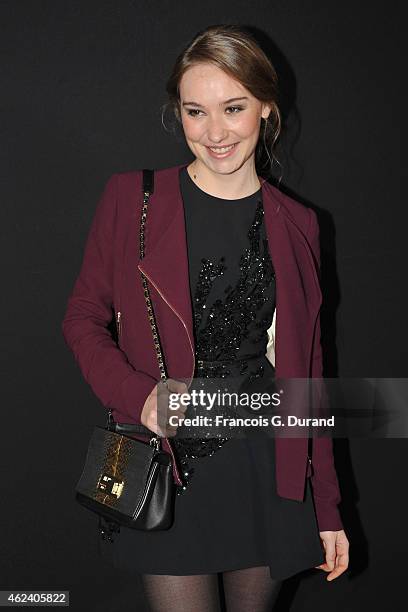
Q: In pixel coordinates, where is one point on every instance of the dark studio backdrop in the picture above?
(82, 89)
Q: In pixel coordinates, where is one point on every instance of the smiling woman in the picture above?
(221, 136)
(228, 255)
(224, 92)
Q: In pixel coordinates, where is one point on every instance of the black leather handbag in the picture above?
(127, 481)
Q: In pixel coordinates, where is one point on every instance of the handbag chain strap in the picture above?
(147, 190)
(148, 187)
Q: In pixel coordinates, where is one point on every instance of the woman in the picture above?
(232, 265)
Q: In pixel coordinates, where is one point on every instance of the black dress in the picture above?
(228, 515)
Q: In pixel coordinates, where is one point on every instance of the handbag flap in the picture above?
(116, 470)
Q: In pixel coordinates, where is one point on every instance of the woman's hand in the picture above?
(336, 546)
(156, 411)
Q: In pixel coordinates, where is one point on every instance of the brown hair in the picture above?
(233, 49)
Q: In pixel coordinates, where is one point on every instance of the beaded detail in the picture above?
(229, 321)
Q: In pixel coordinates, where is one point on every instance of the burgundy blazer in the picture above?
(122, 375)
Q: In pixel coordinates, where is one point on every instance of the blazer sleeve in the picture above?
(325, 486)
(89, 311)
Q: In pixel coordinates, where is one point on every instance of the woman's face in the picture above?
(220, 117)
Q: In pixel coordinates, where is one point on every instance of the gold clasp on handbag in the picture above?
(111, 485)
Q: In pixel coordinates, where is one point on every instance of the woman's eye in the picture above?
(235, 109)
(192, 112)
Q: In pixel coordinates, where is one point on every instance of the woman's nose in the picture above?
(216, 130)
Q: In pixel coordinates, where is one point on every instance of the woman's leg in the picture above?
(250, 590)
(197, 593)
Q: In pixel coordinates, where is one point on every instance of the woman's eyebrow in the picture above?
(221, 103)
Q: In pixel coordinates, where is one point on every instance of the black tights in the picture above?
(246, 590)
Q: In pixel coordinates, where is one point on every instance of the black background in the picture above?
(82, 89)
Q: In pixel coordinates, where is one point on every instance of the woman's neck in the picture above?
(238, 184)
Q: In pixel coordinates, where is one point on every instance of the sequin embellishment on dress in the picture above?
(220, 328)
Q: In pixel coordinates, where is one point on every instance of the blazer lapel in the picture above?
(166, 260)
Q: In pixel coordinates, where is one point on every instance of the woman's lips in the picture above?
(224, 151)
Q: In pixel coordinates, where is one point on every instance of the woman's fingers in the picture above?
(336, 548)
(341, 566)
(172, 403)
(165, 408)
(342, 556)
(330, 549)
(176, 386)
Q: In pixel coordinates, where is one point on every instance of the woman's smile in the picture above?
(221, 152)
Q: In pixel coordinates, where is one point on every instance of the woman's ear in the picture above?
(266, 110)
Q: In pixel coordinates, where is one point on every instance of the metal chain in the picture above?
(149, 305)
